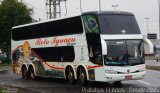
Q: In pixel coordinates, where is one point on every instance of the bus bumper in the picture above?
(122, 77)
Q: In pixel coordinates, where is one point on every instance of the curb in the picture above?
(16, 89)
(156, 68)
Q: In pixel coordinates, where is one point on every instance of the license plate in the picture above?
(128, 77)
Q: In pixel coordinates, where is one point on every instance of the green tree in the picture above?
(12, 13)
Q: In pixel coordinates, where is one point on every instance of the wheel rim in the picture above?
(70, 76)
(82, 77)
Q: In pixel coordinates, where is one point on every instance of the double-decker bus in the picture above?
(101, 46)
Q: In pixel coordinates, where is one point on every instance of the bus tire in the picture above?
(25, 73)
(32, 73)
(70, 75)
(83, 77)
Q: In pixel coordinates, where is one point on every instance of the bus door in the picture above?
(95, 56)
(94, 47)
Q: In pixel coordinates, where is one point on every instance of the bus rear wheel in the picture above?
(32, 74)
(70, 76)
(83, 77)
(25, 74)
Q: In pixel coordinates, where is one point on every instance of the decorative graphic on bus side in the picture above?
(26, 50)
(25, 55)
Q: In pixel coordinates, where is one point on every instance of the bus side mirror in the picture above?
(104, 47)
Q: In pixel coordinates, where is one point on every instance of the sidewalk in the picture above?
(152, 63)
(13, 89)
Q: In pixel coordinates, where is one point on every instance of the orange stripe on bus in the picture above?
(16, 49)
(92, 67)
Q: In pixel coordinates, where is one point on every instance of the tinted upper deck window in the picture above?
(118, 24)
(53, 28)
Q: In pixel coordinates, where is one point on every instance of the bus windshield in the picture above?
(118, 24)
(124, 52)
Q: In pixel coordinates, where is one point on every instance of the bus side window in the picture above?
(66, 54)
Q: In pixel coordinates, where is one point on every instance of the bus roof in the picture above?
(85, 13)
(109, 13)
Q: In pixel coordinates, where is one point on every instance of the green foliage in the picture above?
(12, 13)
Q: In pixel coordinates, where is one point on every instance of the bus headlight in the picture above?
(111, 72)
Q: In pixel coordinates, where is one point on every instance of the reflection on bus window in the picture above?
(95, 54)
(125, 52)
(118, 24)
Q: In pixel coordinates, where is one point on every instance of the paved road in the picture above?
(150, 82)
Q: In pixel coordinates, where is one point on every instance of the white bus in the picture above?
(95, 46)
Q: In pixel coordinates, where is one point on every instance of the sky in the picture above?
(141, 9)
